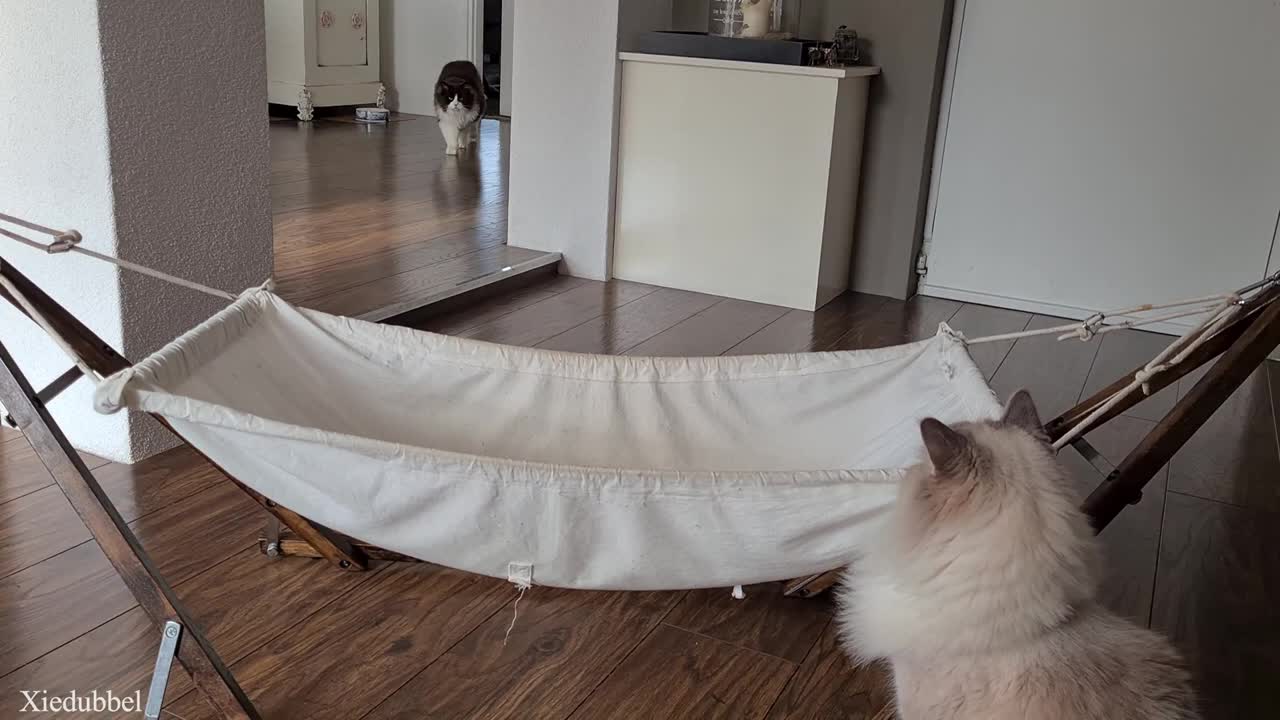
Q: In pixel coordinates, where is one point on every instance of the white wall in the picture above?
(690, 15)
(640, 16)
(157, 153)
(563, 157)
(418, 38)
(561, 182)
(910, 48)
(57, 172)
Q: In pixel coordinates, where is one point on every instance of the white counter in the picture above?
(738, 178)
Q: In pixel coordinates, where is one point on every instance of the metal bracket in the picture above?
(1091, 454)
(164, 662)
(272, 536)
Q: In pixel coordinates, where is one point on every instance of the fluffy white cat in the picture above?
(982, 594)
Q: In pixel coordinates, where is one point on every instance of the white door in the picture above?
(1102, 153)
(418, 38)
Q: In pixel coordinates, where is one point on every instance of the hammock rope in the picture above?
(69, 241)
(1218, 310)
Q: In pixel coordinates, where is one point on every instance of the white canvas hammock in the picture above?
(571, 470)
(592, 471)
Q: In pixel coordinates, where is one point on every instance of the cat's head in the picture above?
(455, 96)
(991, 520)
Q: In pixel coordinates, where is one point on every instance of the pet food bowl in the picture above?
(372, 114)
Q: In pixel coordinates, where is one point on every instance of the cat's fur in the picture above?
(459, 104)
(982, 593)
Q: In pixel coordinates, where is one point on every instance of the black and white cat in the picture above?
(459, 101)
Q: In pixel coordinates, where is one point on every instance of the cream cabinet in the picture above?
(322, 53)
(750, 190)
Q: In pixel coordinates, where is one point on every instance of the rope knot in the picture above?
(63, 242)
(1145, 374)
(108, 397)
(1089, 327)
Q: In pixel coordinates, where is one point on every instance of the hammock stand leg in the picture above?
(105, 360)
(1124, 485)
(102, 359)
(118, 543)
(279, 540)
(1243, 346)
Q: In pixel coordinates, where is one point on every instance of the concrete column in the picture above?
(142, 124)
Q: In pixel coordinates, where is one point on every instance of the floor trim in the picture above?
(445, 293)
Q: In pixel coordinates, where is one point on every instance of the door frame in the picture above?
(475, 35)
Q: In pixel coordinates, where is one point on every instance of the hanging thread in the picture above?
(515, 613)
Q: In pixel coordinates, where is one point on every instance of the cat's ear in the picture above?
(1021, 412)
(949, 451)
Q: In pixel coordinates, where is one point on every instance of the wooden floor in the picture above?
(1198, 559)
(371, 219)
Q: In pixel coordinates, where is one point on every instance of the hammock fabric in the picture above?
(596, 472)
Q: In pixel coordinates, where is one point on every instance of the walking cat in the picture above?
(459, 104)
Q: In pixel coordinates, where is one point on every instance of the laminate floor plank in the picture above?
(355, 653)
(711, 331)
(896, 322)
(535, 323)
(36, 527)
(764, 621)
(1216, 596)
(157, 482)
(562, 644)
(21, 471)
(631, 325)
(241, 604)
(1119, 353)
(55, 601)
(414, 288)
(802, 331)
(1233, 457)
(829, 685)
(490, 309)
(977, 321)
(1053, 371)
(677, 674)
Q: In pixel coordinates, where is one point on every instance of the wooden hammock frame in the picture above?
(1243, 345)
